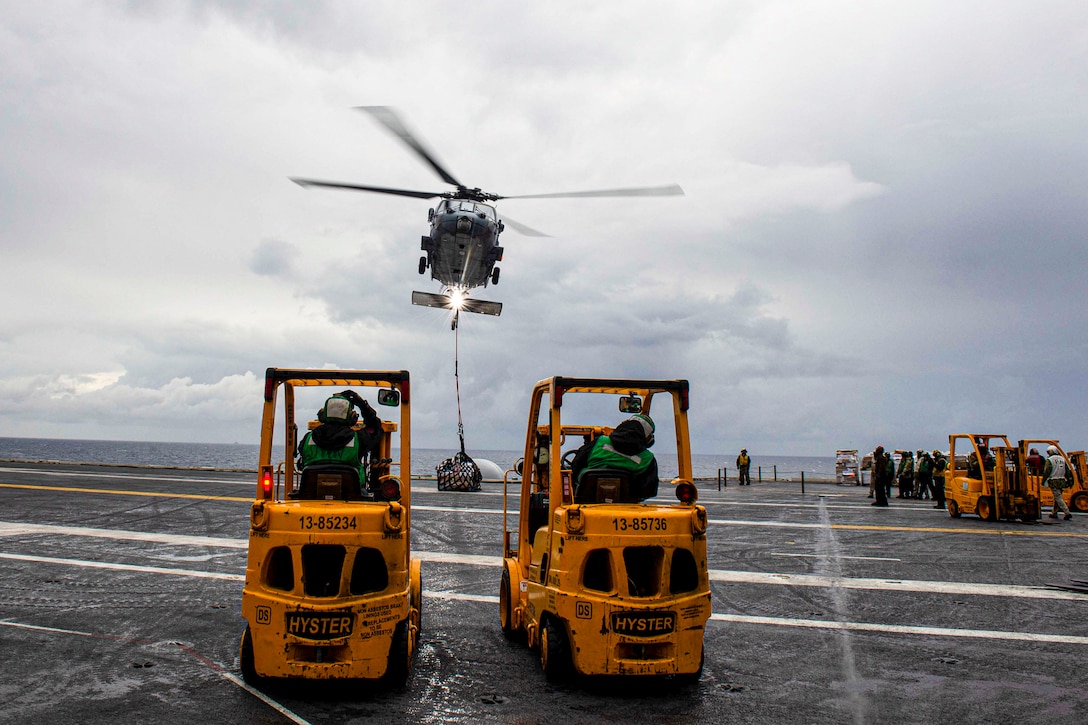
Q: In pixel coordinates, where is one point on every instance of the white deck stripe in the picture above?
(895, 585)
(816, 556)
(126, 567)
(735, 618)
(902, 629)
(20, 529)
(219, 669)
(441, 557)
(292, 716)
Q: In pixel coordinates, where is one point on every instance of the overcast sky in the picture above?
(882, 239)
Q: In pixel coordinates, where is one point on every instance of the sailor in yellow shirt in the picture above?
(743, 463)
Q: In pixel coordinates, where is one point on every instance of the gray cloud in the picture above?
(878, 244)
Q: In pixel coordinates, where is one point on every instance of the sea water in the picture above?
(243, 457)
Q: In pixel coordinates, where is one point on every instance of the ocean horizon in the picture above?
(243, 457)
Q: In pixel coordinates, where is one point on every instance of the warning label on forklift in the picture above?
(319, 625)
(643, 624)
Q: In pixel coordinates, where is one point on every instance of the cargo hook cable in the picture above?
(459, 473)
(457, 386)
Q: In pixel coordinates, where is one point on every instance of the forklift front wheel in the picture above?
(1079, 502)
(985, 508)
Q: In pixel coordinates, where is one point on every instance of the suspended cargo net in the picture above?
(459, 473)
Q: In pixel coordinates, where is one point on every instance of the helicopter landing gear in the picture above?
(495, 276)
(422, 265)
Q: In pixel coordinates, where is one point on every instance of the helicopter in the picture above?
(462, 248)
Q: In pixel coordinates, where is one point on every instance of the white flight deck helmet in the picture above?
(647, 425)
(337, 409)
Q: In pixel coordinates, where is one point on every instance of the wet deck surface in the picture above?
(120, 594)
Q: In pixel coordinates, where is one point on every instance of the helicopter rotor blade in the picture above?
(521, 228)
(388, 118)
(306, 183)
(671, 190)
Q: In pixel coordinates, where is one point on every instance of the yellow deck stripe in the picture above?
(116, 492)
(780, 524)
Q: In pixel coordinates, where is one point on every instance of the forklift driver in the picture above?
(988, 462)
(335, 440)
(625, 449)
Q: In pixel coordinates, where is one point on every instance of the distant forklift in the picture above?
(989, 477)
(1076, 496)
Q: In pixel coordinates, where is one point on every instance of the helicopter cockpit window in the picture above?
(472, 207)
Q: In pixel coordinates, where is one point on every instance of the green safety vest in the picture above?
(604, 455)
(349, 454)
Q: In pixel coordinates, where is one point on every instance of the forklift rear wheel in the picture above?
(555, 651)
(985, 508)
(953, 508)
(415, 593)
(506, 606)
(1079, 502)
(245, 659)
(400, 657)
(692, 678)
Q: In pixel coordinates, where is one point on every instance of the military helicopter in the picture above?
(463, 246)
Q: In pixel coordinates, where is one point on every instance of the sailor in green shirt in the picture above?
(625, 449)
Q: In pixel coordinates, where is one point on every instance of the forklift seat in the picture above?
(330, 482)
(604, 485)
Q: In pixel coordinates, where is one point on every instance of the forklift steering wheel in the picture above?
(568, 459)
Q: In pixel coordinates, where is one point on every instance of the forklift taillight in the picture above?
(390, 489)
(268, 483)
(686, 492)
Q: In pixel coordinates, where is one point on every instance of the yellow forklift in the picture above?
(987, 476)
(1076, 496)
(331, 591)
(597, 580)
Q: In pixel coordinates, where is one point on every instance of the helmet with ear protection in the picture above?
(338, 409)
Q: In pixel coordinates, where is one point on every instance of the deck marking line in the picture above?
(193, 573)
(215, 666)
(717, 575)
(902, 629)
(118, 492)
(912, 529)
(455, 509)
(814, 556)
(894, 585)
